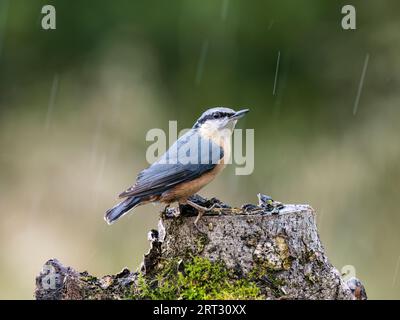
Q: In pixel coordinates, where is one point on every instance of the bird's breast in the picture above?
(186, 189)
(221, 138)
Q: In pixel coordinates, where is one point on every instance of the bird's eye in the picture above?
(216, 115)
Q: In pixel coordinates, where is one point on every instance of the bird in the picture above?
(187, 166)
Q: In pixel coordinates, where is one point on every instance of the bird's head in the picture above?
(219, 118)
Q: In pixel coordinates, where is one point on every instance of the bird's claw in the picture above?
(201, 210)
(197, 220)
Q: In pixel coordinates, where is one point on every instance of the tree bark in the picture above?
(276, 249)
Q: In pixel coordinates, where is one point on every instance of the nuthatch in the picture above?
(190, 163)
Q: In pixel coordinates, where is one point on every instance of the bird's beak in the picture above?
(239, 114)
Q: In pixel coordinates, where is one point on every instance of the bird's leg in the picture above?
(200, 209)
(199, 215)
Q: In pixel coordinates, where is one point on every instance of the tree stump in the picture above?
(264, 251)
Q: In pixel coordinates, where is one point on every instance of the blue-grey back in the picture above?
(187, 159)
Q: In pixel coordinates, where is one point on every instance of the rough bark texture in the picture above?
(275, 248)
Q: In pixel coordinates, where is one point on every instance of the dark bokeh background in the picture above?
(77, 102)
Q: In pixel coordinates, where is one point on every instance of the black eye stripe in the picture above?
(214, 115)
(219, 114)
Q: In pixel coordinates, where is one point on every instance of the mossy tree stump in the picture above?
(248, 253)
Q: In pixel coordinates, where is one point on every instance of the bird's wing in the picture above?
(189, 158)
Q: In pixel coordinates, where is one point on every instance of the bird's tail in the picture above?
(121, 208)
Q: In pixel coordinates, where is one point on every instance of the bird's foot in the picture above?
(201, 210)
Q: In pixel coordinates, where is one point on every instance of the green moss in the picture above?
(267, 278)
(89, 278)
(201, 279)
(310, 278)
(201, 241)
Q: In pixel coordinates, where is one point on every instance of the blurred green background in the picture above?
(76, 104)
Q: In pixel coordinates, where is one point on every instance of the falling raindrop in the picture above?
(52, 99)
(4, 4)
(396, 271)
(280, 82)
(276, 72)
(224, 9)
(271, 24)
(360, 85)
(200, 65)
